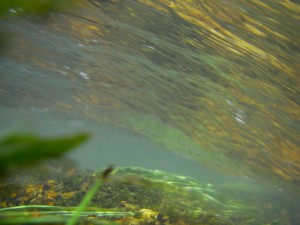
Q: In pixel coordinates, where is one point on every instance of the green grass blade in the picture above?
(64, 213)
(86, 200)
(34, 220)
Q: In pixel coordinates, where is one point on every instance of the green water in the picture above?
(200, 89)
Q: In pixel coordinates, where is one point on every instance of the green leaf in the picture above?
(23, 150)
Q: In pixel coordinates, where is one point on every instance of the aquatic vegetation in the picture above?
(45, 214)
(19, 150)
(89, 196)
(54, 214)
(130, 195)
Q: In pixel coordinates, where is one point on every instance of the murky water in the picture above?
(208, 89)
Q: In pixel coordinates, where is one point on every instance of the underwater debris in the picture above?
(107, 172)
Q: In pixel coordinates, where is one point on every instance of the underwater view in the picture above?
(150, 112)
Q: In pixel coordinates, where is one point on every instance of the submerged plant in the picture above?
(132, 195)
(17, 151)
(89, 196)
(25, 150)
(45, 214)
(56, 214)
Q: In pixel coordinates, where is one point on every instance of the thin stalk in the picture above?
(89, 196)
(65, 214)
(36, 220)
